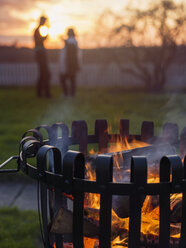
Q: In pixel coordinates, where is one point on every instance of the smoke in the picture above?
(175, 110)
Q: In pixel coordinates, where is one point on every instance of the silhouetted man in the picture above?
(40, 35)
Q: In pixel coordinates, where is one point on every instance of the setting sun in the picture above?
(43, 31)
(21, 19)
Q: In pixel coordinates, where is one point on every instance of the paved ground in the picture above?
(22, 195)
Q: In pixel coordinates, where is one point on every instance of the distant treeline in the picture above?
(10, 54)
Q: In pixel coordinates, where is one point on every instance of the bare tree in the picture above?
(152, 36)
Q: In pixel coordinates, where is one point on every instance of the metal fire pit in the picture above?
(60, 171)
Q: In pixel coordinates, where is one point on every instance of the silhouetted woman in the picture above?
(69, 63)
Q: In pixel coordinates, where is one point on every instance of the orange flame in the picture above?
(150, 214)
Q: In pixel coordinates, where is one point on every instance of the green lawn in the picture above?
(20, 110)
(19, 229)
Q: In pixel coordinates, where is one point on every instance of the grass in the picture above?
(19, 229)
(21, 110)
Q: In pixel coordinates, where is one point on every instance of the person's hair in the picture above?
(43, 19)
(71, 32)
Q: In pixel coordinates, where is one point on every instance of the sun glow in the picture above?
(55, 31)
(43, 31)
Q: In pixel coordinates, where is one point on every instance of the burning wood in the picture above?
(63, 219)
(122, 161)
(147, 240)
(176, 208)
(153, 153)
(120, 204)
(62, 224)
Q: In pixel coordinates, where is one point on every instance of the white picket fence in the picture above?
(90, 74)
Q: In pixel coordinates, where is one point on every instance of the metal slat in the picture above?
(147, 131)
(101, 132)
(79, 171)
(168, 164)
(164, 202)
(183, 143)
(139, 178)
(183, 222)
(80, 133)
(170, 133)
(42, 167)
(104, 174)
(74, 166)
(58, 199)
(124, 129)
(62, 143)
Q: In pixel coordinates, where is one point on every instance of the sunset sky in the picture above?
(19, 18)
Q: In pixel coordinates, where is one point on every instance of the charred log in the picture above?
(63, 219)
(153, 153)
(62, 224)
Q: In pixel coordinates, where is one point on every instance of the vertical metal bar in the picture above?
(139, 178)
(147, 130)
(79, 172)
(164, 202)
(55, 197)
(124, 129)
(58, 199)
(42, 167)
(80, 134)
(183, 143)
(74, 166)
(63, 143)
(168, 164)
(183, 222)
(104, 173)
(101, 132)
(170, 133)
